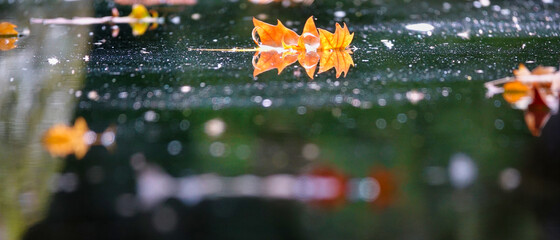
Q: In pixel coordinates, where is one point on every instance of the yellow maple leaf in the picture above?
(140, 12)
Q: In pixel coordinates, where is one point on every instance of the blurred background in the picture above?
(187, 144)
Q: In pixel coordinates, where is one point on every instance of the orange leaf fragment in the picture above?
(340, 39)
(309, 39)
(514, 91)
(337, 58)
(274, 35)
(61, 140)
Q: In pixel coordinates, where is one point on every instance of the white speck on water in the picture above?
(414, 96)
(548, 1)
(446, 6)
(174, 147)
(53, 61)
(175, 20)
(86, 58)
(196, 16)
(464, 35)
(485, 3)
(92, 95)
(186, 89)
(462, 170)
(340, 14)
(420, 27)
(387, 43)
(510, 178)
(150, 116)
(267, 103)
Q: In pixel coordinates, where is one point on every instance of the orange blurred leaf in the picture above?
(8, 36)
(514, 91)
(61, 140)
(8, 30)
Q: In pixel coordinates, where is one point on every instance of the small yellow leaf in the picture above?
(139, 11)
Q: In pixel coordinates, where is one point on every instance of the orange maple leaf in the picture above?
(312, 38)
(274, 35)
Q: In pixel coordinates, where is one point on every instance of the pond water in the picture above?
(188, 144)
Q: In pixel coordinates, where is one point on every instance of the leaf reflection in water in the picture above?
(340, 60)
(535, 92)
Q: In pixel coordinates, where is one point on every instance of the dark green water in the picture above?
(196, 129)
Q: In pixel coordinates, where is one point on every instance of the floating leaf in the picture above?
(8, 30)
(8, 36)
(274, 36)
(515, 91)
(139, 11)
(278, 45)
(312, 39)
(535, 92)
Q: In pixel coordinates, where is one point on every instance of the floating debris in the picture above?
(420, 27)
(140, 20)
(535, 92)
